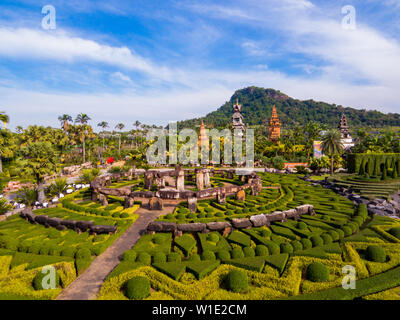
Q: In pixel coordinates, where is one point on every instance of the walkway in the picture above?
(88, 285)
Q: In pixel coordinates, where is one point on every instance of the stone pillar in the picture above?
(148, 180)
(199, 179)
(94, 196)
(180, 180)
(221, 197)
(160, 182)
(103, 200)
(129, 202)
(192, 204)
(207, 183)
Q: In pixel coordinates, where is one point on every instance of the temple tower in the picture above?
(237, 118)
(274, 126)
(347, 140)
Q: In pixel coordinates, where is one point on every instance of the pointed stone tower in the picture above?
(203, 138)
(237, 118)
(274, 126)
(347, 140)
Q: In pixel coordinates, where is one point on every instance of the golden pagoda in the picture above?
(203, 138)
(274, 126)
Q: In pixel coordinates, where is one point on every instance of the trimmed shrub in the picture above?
(301, 225)
(261, 250)
(340, 232)
(223, 255)
(84, 254)
(327, 238)
(159, 257)
(237, 253)
(194, 257)
(137, 288)
(38, 280)
(375, 254)
(307, 244)
(208, 255)
(174, 257)
(395, 232)
(265, 233)
(249, 252)
(286, 248)
(129, 255)
(297, 245)
(347, 231)
(236, 281)
(124, 215)
(317, 241)
(317, 272)
(68, 252)
(144, 257)
(213, 237)
(273, 248)
(334, 235)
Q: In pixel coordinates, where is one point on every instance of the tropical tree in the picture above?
(6, 145)
(120, 127)
(332, 145)
(83, 119)
(58, 186)
(103, 125)
(4, 118)
(4, 206)
(41, 161)
(65, 119)
(27, 196)
(89, 175)
(19, 129)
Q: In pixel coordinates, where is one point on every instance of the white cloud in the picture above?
(121, 77)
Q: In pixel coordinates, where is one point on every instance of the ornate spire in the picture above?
(274, 126)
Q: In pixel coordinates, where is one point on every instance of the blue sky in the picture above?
(159, 61)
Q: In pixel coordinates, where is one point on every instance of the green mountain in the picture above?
(257, 109)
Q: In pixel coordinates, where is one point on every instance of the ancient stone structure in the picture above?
(237, 119)
(203, 141)
(274, 126)
(347, 140)
(192, 204)
(155, 204)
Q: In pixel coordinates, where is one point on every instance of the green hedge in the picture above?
(362, 163)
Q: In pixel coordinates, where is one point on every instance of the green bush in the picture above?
(144, 257)
(68, 252)
(395, 232)
(195, 257)
(297, 245)
(174, 257)
(307, 244)
(265, 233)
(124, 215)
(286, 248)
(82, 265)
(237, 253)
(213, 237)
(334, 235)
(340, 232)
(317, 272)
(223, 255)
(317, 241)
(347, 231)
(236, 281)
(38, 280)
(158, 238)
(137, 288)
(129, 255)
(375, 254)
(83, 254)
(326, 238)
(159, 257)
(249, 252)
(261, 250)
(273, 248)
(301, 225)
(208, 255)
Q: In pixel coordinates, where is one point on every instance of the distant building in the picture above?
(274, 126)
(237, 118)
(347, 140)
(203, 138)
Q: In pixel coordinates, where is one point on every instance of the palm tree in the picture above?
(83, 119)
(65, 119)
(103, 125)
(137, 124)
(7, 146)
(332, 145)
(4, 118)
(19, 129)
(120, 127)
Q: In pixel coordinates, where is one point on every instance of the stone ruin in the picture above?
(100, 187)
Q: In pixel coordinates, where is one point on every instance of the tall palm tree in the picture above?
(120, 127)
(19, 129)
(137, 124)
(4, 118)
(332, 145)
(103, 125)
(65, 119)
(83, 119)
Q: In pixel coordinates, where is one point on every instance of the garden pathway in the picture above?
(88, 284)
